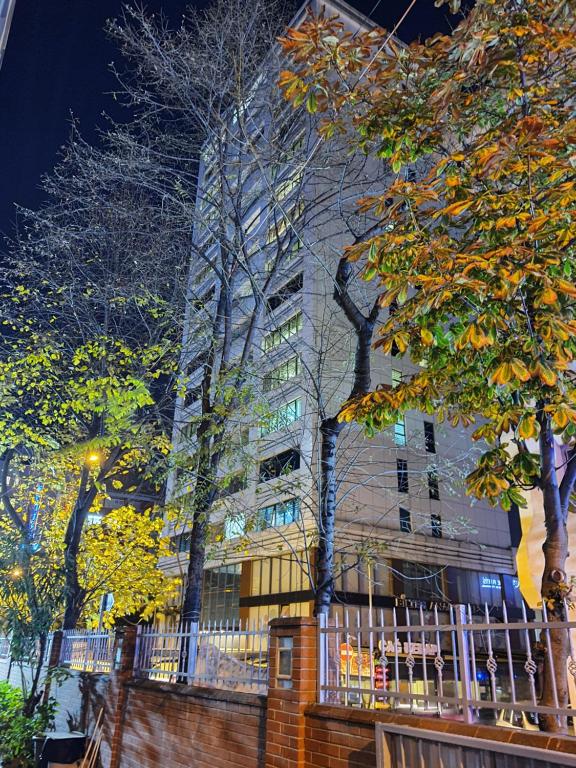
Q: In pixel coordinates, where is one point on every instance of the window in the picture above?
(282, 513)
(288, 185)
(417, 581)
(429, 439)
(282, 417)
(394, 351)
(234, 526)
(181, 542)
(396, 377)
(252, 221)
(433, 490)
(289, 289)
(405, 522)
(284, 372)
(290, 328)
(231, 485)
(192, 396)
(400, 431)
(284, 258)
(221, 594)
(278, 229)
(278, 465)
(436, 523)
(402, 475)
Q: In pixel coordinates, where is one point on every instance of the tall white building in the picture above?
(6, 13)
(405, 530)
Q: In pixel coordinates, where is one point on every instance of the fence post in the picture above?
(293, 661)
(192, 651)
(125, 644)
(464, 662)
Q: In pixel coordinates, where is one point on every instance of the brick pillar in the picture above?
(288, 698)
(125, 647)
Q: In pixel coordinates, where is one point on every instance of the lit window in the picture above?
(405, 522)
(282, 513)
(396, 377)
(282, 417)
(402, 475)
(290, 328)
(400, 431)
(234, 526)
(284, 372)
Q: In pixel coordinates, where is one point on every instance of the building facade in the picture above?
(274, 210)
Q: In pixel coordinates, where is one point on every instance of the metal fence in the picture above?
(230, 656)
(4, 648)
(87, 651)
(472, 667)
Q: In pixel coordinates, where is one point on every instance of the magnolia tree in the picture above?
(476, 246)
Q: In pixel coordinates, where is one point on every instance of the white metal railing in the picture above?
(227, 655)
(402, 746)
(4, 648)
(473, 667)
(86, 650)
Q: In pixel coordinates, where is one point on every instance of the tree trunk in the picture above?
(555, 548)
(74, 594)
(192, 602)
(329, 429)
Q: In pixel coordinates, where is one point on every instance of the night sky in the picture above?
(57, 65)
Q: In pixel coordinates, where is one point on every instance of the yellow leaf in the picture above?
(427, 337)
(520, 370)
(527, 427)
(455, 209)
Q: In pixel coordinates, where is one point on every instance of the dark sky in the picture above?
(57, 64)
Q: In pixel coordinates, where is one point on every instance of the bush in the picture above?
(17, 729)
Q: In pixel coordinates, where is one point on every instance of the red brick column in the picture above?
(287, 699)
(125, 648)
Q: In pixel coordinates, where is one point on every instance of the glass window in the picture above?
(290, 328)
(405, 521)
(417, 581)
(433, 490)
(396, 377)
(436, 523)
(221, 593)
(402, 475)
(400, 431)
(278, 465)
(282, 417)
(289, 289)
(284, 372)
(281, 513)
(234, 526)
(429, 438)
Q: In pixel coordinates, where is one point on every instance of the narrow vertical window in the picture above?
(405, 522)
(436, 523)
(433, 490)
(402, 475)
(400, 431)
(429, 438)
(396, 377)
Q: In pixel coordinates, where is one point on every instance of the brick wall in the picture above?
(181, 727)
